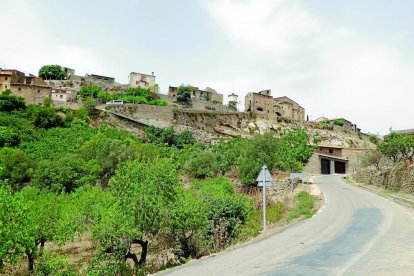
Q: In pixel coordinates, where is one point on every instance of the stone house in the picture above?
(31, 93)
(141, 80)
(208, 94)
(9, 76)
(329, 159)
(64, 94)
(263, 103)
(291, 109)
(99, 80)
(31, 88)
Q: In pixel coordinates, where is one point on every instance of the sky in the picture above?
(350, 59)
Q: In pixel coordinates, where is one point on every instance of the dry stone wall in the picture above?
(397, 178)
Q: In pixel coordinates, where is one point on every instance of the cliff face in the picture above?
(209, 126)
(396, 178)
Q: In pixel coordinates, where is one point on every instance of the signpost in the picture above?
(264, 180)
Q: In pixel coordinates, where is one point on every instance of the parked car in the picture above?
(115, 102)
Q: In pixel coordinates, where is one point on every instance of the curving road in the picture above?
(355, 233)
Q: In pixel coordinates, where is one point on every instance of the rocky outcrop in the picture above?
(208, 126)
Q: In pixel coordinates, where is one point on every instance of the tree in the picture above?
(29, 219)
(15, 167)
(184, 93)
(374, 157)
(8, 102)
(398, 147)
(65, 174)
(108, 153)
(144, 195)
(52, 72)
(91, 91)
(45, 117)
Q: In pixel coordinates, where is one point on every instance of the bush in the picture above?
(339, 122)
(44, 117)
(167, 136)
(184, 93)
(226, 210)
(53, 264)
(202, 164)
(8, 102)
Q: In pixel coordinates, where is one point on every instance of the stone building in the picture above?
(99, 80)
(262, 102)
(208, 94)
(329, 159)
(64, 94)
(32, 93)
(31, 88)
(141, 80)
(9, 76)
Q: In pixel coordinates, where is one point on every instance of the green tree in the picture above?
(8, 102)
(144, 195)
(45, 117)
(65, 174)
(90, 91)
(184, 93)
(108, 153)
(15, 167)
(52, 72)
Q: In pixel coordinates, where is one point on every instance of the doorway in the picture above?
(340, 167)
(325, 166)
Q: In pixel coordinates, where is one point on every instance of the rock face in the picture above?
(397, 178)
(209, 126)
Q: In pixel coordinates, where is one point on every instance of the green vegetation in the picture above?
(184, 93)
(61, 179)
(136, 95)
(339, 122)
(303, 207)
(232, 105)
(52, 72)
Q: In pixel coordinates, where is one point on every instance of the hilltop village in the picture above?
(205, 114)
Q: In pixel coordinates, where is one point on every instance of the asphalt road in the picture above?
(355, 233)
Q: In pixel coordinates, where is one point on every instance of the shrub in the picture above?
(53, 264)
(202, 164)
(184, 93)
(9, 102)
(339, 122)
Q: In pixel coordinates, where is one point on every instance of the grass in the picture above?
(303, 207)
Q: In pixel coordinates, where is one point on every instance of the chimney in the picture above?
(152, 73)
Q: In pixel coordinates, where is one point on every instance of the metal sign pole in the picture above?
(264, 198)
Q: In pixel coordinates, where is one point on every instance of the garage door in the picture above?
(325, 166)
(340, 167)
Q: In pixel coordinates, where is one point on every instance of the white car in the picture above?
(115, 102)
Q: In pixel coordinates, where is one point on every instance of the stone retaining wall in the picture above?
(398, 178)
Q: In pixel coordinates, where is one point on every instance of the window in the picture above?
(6, 86)
(136, 82)
(61, 96)
(38, 91)
(20, 89)
(6, 78)
(330, 150)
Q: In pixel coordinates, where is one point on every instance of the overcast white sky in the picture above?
(349, 59)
